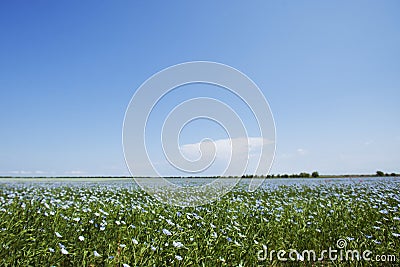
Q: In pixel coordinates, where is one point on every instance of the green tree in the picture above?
(315, 174)
(304, 175)
(380, 173)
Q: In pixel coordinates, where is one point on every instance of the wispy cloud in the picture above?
(301, 151)
(20, 172)
(75, 172)
(25, 172)
(228, 151)
(223, 147)
(368, 142)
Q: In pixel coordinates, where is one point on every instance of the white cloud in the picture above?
(301, 152)
(245, 149)
(75, 172)
(26, 173)
(223, 147)
(368, 142)
(20, 172)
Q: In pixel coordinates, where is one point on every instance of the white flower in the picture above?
(51, 250)
(96, 254)
(396, 235)
(134, 241)
(76, 219)
(58, 234)
(179, 258)
(122, 245)
(126, 265)
(102, 228)
(166, 232)
(102, 211)
(64, 251)
(177, 244)
(81, 238)
(118, 222)
(153, 248)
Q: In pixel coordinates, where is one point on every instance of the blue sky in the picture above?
(329, 70)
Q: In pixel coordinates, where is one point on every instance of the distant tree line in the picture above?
(314, 174)
(381, 173)
(296, 175)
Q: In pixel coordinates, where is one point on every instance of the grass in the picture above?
(100, 225)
